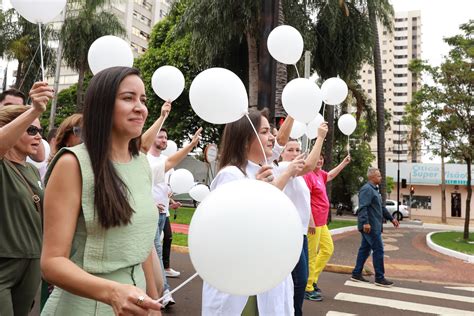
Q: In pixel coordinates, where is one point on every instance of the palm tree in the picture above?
(86, 20)
(379, 10)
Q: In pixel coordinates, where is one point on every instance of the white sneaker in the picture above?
(167, 300)
(172, 273)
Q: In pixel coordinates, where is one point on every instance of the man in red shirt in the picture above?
(321, 239)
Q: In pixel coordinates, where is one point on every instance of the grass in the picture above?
(454, 241)
(184, 215)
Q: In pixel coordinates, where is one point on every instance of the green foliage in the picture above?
(20, 40)
(390, 185)
(454, 241)
(449, 104)
(348, 182)
(168, 48)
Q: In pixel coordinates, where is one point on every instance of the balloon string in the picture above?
(348, 145)
(179, 287)
(324, 108)
(41, 50)
(258, 138)
(297, 72)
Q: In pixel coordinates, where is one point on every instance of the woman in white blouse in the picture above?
(241, 157)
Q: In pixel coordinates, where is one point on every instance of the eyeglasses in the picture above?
(77, 131)
(33, 130)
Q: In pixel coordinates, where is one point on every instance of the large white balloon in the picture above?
(181, 181)
(218, 96)
(334, 91)
(297, 130)
(171, 148)
(301, 98)
(168, 82)
(39, 11)
(285, 44)
(312, 128)
(109, 51)
(228, 247)
(199, 192)
(347, 124)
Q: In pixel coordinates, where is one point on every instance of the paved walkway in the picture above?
(179, 228)
(407, 257)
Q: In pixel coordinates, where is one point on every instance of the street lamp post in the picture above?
(398, 170)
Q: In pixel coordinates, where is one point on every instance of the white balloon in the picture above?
(312, 128)
(285, 44)
(228, 247)
(171, 148)
(47, 151)
(297, 130)
(334, 91)
(39, 11)
(181, 181)
(347, 124)
(168, 82)
(218, 96)
(109, 51)
(301, 98)
(199, 192)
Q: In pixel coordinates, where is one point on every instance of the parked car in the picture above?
(392, 208)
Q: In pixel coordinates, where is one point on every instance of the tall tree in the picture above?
(86, 20)
(449, 103)
(19, 40)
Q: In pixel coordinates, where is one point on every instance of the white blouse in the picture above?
(275, 302)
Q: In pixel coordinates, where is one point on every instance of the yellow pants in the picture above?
(320, 249)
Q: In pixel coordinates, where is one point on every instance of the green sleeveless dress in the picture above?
(116, 253)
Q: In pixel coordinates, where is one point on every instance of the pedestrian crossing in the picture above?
(402, 305)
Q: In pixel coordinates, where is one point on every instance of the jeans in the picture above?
(167, 240)
(300, 277)
(159, 249)
(372, 241)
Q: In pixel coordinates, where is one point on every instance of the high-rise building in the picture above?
(397, 50)
(138, 18)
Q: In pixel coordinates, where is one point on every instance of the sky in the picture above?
(439, 18)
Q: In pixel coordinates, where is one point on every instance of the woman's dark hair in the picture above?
(236, 140)
(110, 192)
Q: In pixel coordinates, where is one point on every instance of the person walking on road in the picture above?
(370, 220)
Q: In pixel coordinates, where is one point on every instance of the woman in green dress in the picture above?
(99, 218)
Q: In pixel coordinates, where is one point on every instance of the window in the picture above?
(418, 201)
(400, 84)
(400, 94)
(401, 66)
(401, 47)
(369, 71)
(143, 35)
(384, 52)
(140, 17)
(369, 91)
(400, 75)
(400, 56)
(384, 32)
(401, 29)
(369, 81)
(400, 38)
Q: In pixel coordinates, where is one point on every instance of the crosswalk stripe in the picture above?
(401, 305)
(403, 290)
(334, 313)
(461, 288)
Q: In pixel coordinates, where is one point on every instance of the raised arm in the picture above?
(176, 158)
(313, 157)
(284, 132)
(40, 94)
(334, 172)
(149, 136)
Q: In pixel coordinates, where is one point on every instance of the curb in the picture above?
(446, 251)
(341, 230)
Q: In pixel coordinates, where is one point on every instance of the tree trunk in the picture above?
(468, 199)
(281, 73)
(379, 103)
(443, 186)
(80, 90)
(253, 70)
(19, 77)
(328, 151)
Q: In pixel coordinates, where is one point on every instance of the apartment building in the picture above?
(397, 50)
(138, 18)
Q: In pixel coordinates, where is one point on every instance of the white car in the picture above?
(392, 208)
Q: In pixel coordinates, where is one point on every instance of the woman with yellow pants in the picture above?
(320, 245)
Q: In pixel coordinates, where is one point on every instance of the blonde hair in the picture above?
(65, 130)
(11, 112)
